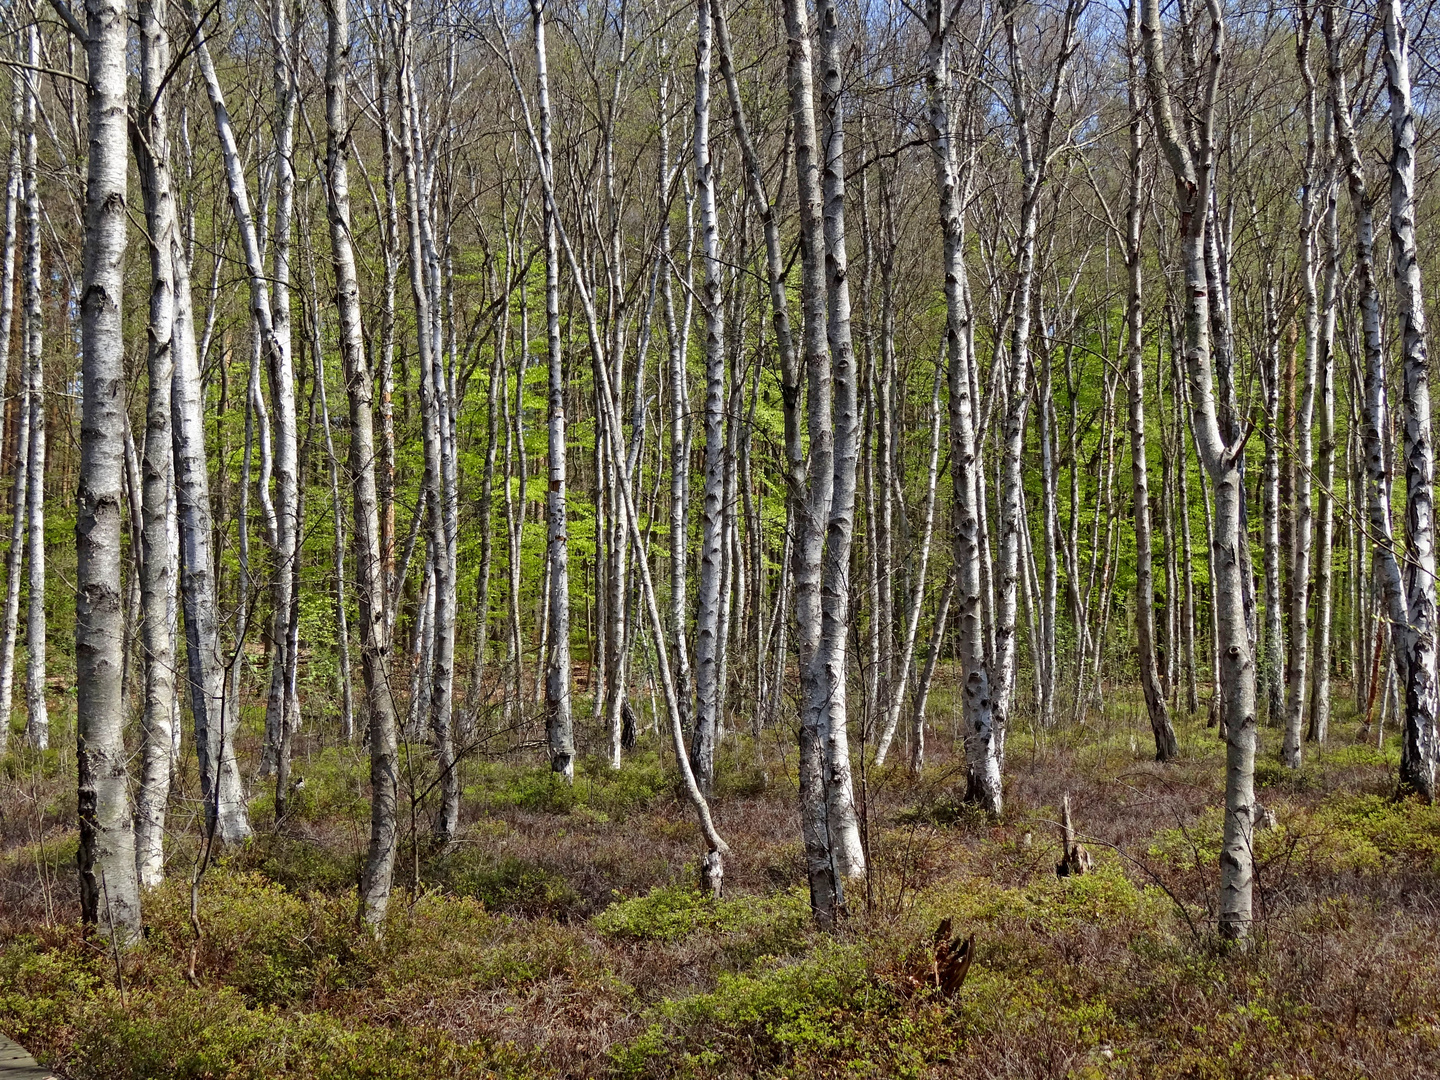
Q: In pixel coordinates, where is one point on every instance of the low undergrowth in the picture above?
(563, 934)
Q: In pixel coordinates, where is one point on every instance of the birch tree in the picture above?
(152, 151)
(983, 742)
(1166, 746)
(708, 646)
(1191, 158)
(1422, 688)
(109, 893)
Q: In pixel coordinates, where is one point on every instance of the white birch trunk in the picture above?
(1192, 166)
(559, 721)
(1325, 519)
(1422, 685)
(982, 750)
(1166, 746)
(708, 645)
(1297, 653)
(152, 150)
(13, 185)
(891, 719)
(37, 716)
(109, 892)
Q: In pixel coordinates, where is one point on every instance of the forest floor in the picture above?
(562, 934)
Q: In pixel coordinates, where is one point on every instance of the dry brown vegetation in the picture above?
(563, 934)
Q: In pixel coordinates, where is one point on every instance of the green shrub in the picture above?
(504, 883)
(301, 866)
(672, 913)
(599, 793)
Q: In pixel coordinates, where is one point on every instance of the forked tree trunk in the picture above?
(827, 897)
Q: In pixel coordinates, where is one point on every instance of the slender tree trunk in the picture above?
(14, 183)
(559, 723)
(891, 719)
(436, 428)
(927, 674)
(369, 534)
(1325, 521)
(1422, 685)
(708, 645)
(1272, 646)
(109, 892)
(981, 737)
(37, 719)
(281, 708)
(1156, 705)
(1310, 220)
(1376, 420)
(1192, 166)
(152, 151)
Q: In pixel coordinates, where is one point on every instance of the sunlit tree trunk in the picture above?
(37, 716)
(559, 722)
(1156, 705)
(1325, 612)
(1310, 222)
(14, 184)
(982, 750)
(152, 151)
(1422, 686)
(708, 646)
(1192, 165)
(109, 892)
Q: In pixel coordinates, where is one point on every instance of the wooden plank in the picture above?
(16, 1064)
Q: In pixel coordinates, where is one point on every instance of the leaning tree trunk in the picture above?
(1422, 686)
(895, 700)
(109, 894)
(1193, 167)
(275, 352)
